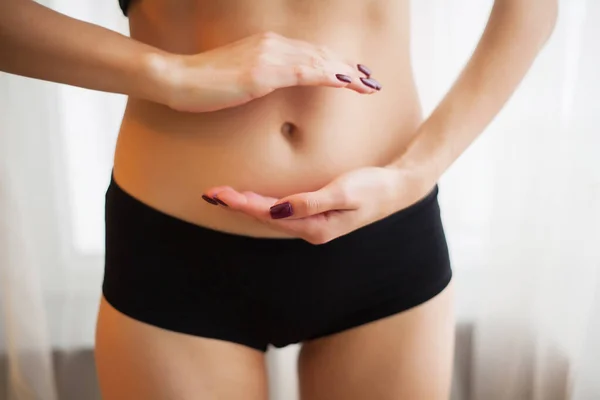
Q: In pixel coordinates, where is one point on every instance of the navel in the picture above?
(289, 130)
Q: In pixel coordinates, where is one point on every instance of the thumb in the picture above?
(306, 204)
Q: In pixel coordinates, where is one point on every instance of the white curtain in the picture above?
(521, 210)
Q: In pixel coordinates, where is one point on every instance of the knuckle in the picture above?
(312, 204)
(318, 237)
(268, 38)
(301, 72)
(323, 51)
(268, 35)
(313, 241)
(314, 238)
(266, 41)
(318, 233)
(347, 197)
(316, 61)
(265, 46)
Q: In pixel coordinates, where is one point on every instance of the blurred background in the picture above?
(521, 209)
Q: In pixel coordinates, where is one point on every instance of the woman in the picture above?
(299, 125)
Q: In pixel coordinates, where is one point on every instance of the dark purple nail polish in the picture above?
(343, 78)
(282, 210)
(372, 83)
(209, 200)
(221, 202)
(364, 70)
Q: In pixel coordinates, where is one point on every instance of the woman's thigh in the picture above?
(139, 361)
(403, 357)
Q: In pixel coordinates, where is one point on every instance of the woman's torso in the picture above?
(166, 158)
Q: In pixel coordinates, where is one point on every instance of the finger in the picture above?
(362, 81)
(302, 205)
(311, 66)
(257, 205)
(302, 227)
(211, 196)
(231, 198)
(324, 52)
(303, 74)
(326, 76)
(249, 203)
(354, 77)
(316, 229)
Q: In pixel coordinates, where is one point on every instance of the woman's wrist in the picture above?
(425, 156)
(159, 75)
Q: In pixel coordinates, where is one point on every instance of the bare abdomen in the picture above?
(295, 139)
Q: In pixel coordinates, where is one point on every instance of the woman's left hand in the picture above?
(351, 201)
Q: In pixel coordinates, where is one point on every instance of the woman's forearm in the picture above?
(40, 43)
(515, 33)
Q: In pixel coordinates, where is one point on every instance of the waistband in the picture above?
(124, 209)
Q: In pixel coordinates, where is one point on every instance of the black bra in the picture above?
(124, 6)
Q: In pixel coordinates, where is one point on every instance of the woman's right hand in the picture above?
(253, 67)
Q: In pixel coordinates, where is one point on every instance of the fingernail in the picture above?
(282, 210)
(209, 200)
(372, 83)
(221, 202)
(344, 78)
(364, 70)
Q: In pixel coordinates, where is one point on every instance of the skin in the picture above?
(214, 88)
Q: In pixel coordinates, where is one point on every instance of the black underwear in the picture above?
(259, 291)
